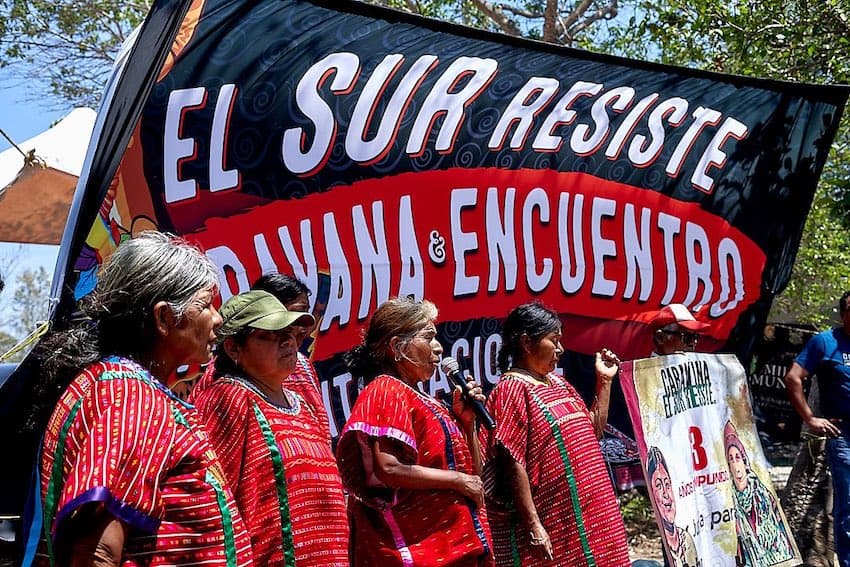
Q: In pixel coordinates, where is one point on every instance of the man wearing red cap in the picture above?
(675, 330)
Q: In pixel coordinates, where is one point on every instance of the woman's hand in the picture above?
(461, 409)
(541, 546)
(471, 487)
(607, 365)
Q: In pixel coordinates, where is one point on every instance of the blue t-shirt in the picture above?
(828, 355)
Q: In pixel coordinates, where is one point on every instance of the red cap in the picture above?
(679, 314)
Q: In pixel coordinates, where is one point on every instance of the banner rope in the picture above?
(30, 159)
(14, 145)
(26, 341)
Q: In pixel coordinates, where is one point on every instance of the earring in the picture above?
(398, 357)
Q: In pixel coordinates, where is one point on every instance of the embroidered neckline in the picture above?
(247, 384)
(527, 377)
(146, 376)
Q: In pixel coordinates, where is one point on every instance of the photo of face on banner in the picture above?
(678, 542)
(762, 536)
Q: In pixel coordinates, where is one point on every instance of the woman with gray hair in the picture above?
(411, 463)
(128, 475)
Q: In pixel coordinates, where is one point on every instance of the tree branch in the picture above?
(494, 12)
(576, 13)
(550, 21)
(605, 12)
(522, 12)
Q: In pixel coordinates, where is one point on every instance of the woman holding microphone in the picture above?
(411, 463)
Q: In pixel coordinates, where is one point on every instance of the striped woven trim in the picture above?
(54, 486)
(179, 418)
(138, 373)
(280, 484)
(398, 539)
(378, 431)
(515, 558)
(245, 383)
(226, 519)
(571, 479)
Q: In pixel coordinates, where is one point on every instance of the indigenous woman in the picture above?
(274, 452)
(550, 499)
(677, 540)
(126, 468)
(411, 463)
(762, 536)
(295, 296)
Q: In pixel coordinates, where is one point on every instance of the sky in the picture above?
(19, 118)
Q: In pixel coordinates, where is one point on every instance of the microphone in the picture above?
(450, 366)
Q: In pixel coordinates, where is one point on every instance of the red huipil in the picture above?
(547, 430)
(409, 527)
(305, 382)
(120, 438)
(280, 466)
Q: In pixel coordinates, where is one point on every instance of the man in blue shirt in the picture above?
(828, 355)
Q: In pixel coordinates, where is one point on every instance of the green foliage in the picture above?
(459, 12)
(639, 519)
(30, 300)
(821, 273)
(795, 40)
(636, 507)
(24, 307)
(66, 46)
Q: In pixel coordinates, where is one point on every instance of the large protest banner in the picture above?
(704, 465)
(373, 153)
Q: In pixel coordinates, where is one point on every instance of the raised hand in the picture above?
(607, 364)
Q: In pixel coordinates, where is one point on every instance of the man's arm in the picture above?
(794, 386)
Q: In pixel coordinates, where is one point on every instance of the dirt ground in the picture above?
(641, 529)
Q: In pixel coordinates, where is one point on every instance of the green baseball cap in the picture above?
(257, 309)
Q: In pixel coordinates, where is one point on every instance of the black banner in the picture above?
(775, 416)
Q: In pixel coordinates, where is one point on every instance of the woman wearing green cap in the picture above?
(270, 442)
